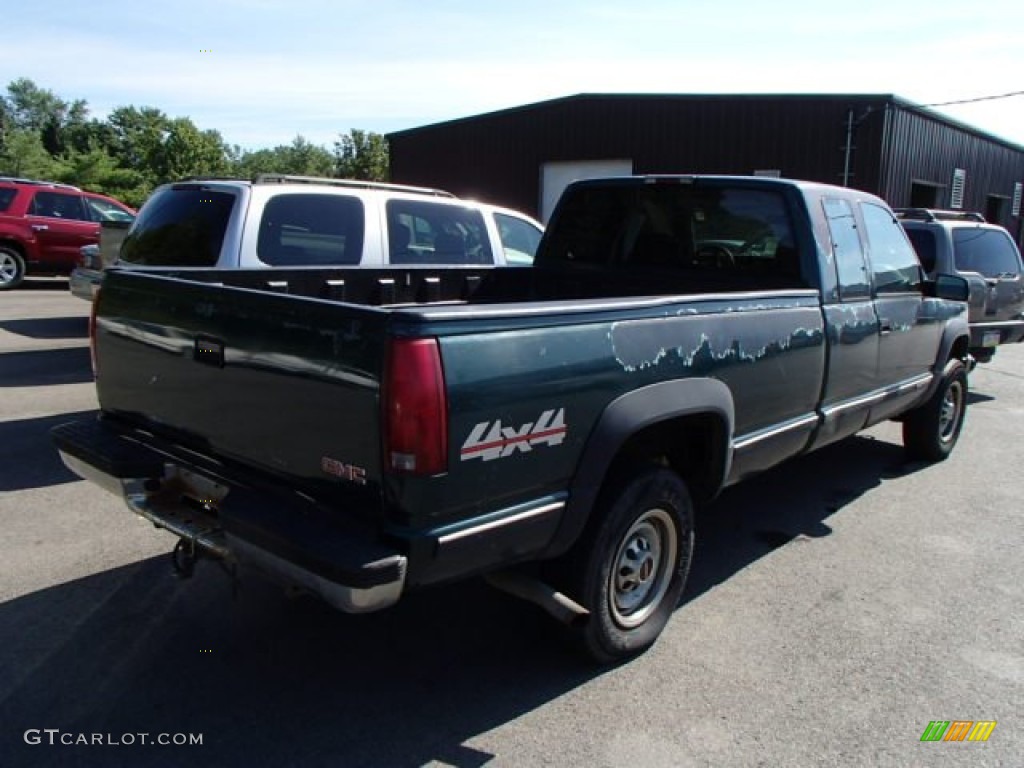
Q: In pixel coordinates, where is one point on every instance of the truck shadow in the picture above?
(49, 327)
(26, 445)
(46, 367)
(267, 680)
(792, 501)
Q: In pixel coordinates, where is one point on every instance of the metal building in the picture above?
(909, 155)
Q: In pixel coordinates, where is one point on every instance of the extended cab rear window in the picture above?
(179, 226)
(311, 229)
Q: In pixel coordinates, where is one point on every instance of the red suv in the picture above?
(43, 225)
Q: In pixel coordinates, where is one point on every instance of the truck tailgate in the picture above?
(282, 383)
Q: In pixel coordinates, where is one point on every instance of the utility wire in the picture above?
(972, 101)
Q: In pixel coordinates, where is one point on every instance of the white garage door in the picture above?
(555, 177)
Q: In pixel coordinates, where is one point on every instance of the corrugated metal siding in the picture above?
(498, 157)
(925, 148)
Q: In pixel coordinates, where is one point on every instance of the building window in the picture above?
(956, 194)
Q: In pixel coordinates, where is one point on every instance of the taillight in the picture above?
(415, 408)
(92, 330)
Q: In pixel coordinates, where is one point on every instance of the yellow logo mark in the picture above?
(982, 730)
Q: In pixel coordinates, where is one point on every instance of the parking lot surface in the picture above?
(838, 605)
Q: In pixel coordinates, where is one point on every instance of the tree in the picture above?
(301, 158)
(362, 155)
(23, 154)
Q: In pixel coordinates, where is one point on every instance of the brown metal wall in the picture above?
(925, 148)
(498, 157)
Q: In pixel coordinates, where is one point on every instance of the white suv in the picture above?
(297, 221)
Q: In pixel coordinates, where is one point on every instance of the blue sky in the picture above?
(263, 71)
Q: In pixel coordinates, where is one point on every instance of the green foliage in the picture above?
(23, 154)
(137, 148)
(362, 155)
(300, 158)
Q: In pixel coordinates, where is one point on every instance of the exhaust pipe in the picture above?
(563, 608)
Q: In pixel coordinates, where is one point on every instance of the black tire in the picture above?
(12, 268)
(630, 566)
(930, 431)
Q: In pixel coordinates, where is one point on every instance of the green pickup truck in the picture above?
(359, 433)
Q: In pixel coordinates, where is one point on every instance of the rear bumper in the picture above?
(989, 335)
(84, 282)
(282, 534)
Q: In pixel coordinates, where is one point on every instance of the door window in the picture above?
(57, 205)
(436, 233)
(519, 238)
(894, 264)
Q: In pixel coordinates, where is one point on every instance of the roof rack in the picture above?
(933, 214)
(280, 178)
(39, 182)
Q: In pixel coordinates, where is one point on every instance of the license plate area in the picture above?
(991, 339)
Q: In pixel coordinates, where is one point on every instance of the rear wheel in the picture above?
(930, 431)
(12, 268)
(630, 567)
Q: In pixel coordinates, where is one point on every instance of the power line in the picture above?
(972, 101)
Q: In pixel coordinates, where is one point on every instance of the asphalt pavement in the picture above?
(838, 605)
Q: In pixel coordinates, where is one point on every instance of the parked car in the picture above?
(359, 433)
(96, 257)
(297, 221)
(43, 226)
(962, 243)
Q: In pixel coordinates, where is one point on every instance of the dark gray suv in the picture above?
(962, 243)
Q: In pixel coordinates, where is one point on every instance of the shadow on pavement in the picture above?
(45, 284)
(45, 367)
(26, 445)
(272, 681)
(49, 327)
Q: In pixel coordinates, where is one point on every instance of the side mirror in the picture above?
(950, 287)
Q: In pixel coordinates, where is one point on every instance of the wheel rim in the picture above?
(642, 569)
(949, 416)
(8, 268)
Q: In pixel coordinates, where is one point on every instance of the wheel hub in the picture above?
(642, 568)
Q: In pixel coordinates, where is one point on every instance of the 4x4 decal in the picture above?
(490, 440)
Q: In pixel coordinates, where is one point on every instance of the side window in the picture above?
(57, 205)
(103, 210)
(519, 238)
(925, 244)
(894, 264)
(6, 198)
(421, 232)
(311, 229)
(846, 245)
(987, 251)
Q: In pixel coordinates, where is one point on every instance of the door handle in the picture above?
(40, 227)
(886, 327)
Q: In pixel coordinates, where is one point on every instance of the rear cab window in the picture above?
(311, 229)
(990, 252)
(734, 232)
(179, 226)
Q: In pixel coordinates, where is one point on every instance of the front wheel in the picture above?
(630, 566)
(12, 268)
(930, 431)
